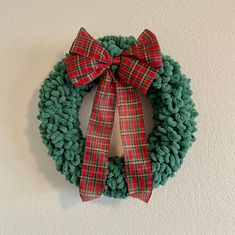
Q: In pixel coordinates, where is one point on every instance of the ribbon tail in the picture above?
(98, 138)
(136, 157)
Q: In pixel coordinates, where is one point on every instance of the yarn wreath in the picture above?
(173, 131)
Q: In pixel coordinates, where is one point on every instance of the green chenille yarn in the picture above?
(174, 116)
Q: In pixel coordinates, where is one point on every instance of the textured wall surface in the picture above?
(35, 199)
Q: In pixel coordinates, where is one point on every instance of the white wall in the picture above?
(35, 199)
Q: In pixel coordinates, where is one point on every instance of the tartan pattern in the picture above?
(95, 162)
(137, 163)
(138, 66)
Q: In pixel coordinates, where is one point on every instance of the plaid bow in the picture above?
(137, 67)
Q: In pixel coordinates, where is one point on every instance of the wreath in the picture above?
(173, 130)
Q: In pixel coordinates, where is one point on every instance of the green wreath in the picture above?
(173, 118)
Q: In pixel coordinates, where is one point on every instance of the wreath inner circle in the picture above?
(173, 130)
(115, 149)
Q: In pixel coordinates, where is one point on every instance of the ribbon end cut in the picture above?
(86, 198)
(143, 196)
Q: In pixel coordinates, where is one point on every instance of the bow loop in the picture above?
(141, 61)
(83, 70)
(86, 46)
(146, 50)
(87, 59)
(136, 73)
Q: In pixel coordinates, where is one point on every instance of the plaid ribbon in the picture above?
(137, 67)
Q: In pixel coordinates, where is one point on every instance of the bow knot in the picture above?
(116, 60)
(137, 67)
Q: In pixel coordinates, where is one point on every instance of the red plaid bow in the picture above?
(137, 67)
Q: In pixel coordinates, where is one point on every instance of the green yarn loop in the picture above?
(174, 123)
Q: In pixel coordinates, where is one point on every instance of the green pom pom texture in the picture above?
(174, 116)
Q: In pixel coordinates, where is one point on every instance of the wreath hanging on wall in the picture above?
(118, 65)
